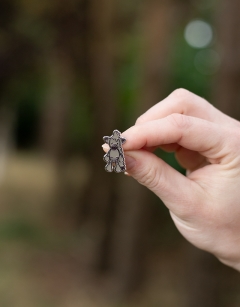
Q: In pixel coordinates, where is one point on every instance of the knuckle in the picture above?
(232, 136)
(140, 120)
(181, 94)
(178, 120)
(151, 179)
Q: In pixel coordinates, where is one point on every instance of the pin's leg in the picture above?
(121, 161)
(117, 168)
(106, 158)
(109, 167)
(122, 164)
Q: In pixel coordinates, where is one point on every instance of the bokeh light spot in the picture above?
(198, 34)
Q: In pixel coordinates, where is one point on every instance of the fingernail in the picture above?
(127, 174)
(130, 162)
(105, 147)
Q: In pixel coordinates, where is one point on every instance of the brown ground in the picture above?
(43, 265)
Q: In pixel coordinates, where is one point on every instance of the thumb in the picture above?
(174, 189)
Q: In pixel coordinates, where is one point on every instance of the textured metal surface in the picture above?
(115, 156)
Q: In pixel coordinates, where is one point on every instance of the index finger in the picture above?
(184, 102)
(192, 133)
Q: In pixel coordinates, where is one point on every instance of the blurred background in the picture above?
(72, 235)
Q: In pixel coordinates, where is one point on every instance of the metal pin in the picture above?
(115, 156)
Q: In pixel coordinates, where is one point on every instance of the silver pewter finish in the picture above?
(115, 156)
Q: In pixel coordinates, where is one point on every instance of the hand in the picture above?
(204, 205)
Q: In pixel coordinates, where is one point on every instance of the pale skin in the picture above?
(204, 204)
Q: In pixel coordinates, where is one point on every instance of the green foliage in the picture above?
(129, 78)
(81, 121)
(80, 126)
(20, 230)
(38, 23)
(183, 71)
(170, 159)
(29, 92)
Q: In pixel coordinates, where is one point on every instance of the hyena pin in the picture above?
(115, 157)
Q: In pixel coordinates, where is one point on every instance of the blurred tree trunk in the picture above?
(55, 121)
(56, 111)
(206, 289)
(159, 24)
(226, 94)
(7, 118)
(131, 234)
(134, 211)
(203, 270)
(97, 206)
(15, 56)
(203, 275)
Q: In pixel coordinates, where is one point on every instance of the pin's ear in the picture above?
(116, 134)
(106, 139)
(123, 140)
